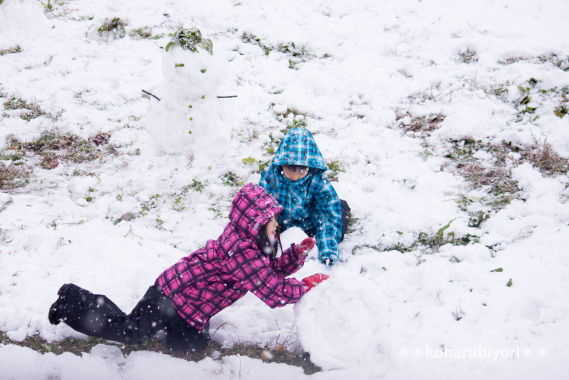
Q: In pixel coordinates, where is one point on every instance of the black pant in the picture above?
(346, 214)
(96, 315)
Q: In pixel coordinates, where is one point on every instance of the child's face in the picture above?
(294, 175)
(271, 228)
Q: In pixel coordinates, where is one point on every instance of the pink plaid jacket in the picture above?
(212, 278)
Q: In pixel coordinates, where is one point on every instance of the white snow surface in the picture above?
(383, 313)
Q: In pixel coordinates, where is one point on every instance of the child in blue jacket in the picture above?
(297, 180)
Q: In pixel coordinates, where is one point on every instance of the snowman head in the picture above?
(190, 59)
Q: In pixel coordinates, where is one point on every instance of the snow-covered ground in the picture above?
(359, 75)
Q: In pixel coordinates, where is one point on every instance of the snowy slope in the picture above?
(358, 75)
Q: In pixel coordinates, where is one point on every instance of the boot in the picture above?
(58, 306)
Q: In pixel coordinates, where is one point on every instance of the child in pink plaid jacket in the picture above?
(186, 295)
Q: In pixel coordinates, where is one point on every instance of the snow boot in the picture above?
(59, 305)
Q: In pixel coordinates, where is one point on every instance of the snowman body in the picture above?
(189, 118)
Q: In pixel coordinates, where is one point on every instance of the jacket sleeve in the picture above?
(289, 262)
(253, 270)
(327, 218)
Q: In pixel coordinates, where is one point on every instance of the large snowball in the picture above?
(340, 321)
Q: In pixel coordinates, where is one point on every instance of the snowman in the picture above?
(20, 19)
(189, 118)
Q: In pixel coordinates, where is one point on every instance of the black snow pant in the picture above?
(346, 214)
(96, 315)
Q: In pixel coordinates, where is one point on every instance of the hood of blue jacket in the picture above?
(299, 148)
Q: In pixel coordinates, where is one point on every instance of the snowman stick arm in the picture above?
(148, 93)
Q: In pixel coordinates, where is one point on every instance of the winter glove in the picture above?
(315, 279)
(306, 246)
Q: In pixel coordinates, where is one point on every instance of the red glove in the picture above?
(306, 245)
(315, 279)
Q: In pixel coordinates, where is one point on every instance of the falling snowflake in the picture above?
(527, 352)
(542, 352)
(403, 351)
(418, 351)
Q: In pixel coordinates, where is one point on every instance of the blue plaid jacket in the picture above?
(310, 202)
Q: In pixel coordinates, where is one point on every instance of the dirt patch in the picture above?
(77, 346)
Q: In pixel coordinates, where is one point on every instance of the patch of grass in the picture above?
(425, 242)
(495, 179)
(15, 103)
(100, 138)
(545, 159)
(334, 168)
(144, 33)
(127, 216)
(541, 155)
(149, 205)
(291, 118)
(427, 95)
(190, 39)
(498, 179)
(13, 176)
(9, 156)
(261, 165)
(468, 56)
(113, 28)
(196, 185)
(560, 111)
(477, 216)
(500, 90)
(530, 97)
(294, 51)
(296, 54)
(352, 225)
(177, 205)
(270, 148)
(297, 123)
(12, 50)
(440, 238)
(33, 110)
(48, 6)
(157, 199)
(254, 40)
(214, 350)
(53, 146)
(231, 179)
(555, 60)
(419, 125)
